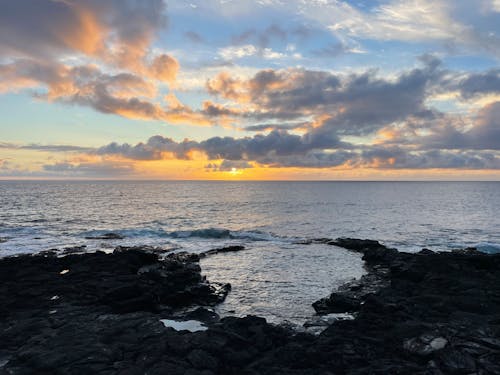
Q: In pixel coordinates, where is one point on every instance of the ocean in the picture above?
(276, 276)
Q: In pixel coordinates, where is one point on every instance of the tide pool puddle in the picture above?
(280, 283)
(185, 325)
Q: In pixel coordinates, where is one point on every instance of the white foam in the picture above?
(186, 325)
(488, 247)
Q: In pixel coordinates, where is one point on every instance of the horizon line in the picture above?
(220, 180)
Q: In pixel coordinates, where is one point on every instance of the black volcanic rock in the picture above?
(227, 249)
(106, 236)
(124, 281)
(356, 244)
(425, 313)
(337, 303)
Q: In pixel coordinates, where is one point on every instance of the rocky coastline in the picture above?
(98, 313)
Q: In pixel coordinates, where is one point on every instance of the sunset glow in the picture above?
(335, 90)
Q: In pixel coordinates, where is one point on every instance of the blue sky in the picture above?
(270, 89)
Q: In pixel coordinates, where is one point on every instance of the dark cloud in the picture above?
(125, 94)
(480, 84)
(100, 169)
(42, 28)
(357, 104)
(311, 159)
(57, 148)
(484, 135)
(96, 169)
(48, 148)
(45, 44)
(156, 148)
(217, 110)
(267, 127)
(228, 165)
(277, 143)
(397, 158)
(311, 150)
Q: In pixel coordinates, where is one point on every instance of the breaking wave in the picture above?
(203, 233)
(488, 247)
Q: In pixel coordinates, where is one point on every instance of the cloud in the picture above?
(123, 94)
(270, 126)
(281, 150)
(63, 169)
(475, 84)
(237, 52)
(483, 135)
(356, 104)
(99, 169)
(164, 68)
(401, 20)
(48, 148)
(455, 26)
(264, 37)
(228, 166)
(116, 33)
(94, 53)
(451, 23)
(495, 4)
(430, 159)
(259, 147)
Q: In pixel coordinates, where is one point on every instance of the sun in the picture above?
(235, 172)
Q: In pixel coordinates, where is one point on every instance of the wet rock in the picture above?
(337, 303)
(428, 313)
(466, 251)
(426, 251)
(425, 344)
(75, 249)
(106, 236)
(160, 251)
(227, 249)
(356, 244)
(310, 241)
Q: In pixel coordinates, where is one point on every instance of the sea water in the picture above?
(276, 276)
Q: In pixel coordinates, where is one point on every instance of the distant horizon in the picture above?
(217, 180)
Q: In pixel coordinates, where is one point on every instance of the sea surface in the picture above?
(275, 276)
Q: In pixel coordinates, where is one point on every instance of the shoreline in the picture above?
(428, 313)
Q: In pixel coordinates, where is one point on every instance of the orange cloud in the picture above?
(164, 68)
(86, 33)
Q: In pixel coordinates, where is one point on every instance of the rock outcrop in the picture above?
(426, 313)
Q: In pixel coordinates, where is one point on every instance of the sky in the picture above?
(250, 90)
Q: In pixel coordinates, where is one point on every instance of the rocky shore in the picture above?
(425, 313)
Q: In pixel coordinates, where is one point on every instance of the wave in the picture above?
(203, 233)
(135, 232)
(488, 247)
(221, 233)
